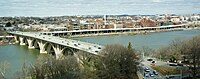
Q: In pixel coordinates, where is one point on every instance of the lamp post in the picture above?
(180, 72)
(160, 57)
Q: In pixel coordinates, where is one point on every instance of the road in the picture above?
(147, 64)
(146, 75)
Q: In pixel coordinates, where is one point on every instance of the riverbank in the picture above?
(133, 32)
(5, 43)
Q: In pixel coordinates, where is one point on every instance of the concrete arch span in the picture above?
(35, 44)
(67, 51)
(55, 45)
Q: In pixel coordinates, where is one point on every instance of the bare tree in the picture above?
(87, 65)
(147, 51)
(3, 69)
(117, 62)
(47, 67)
(192, 54)
(173, 51)
(187, 51)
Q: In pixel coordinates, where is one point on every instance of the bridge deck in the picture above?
(168, 26)
(84, 46)
(6, 36)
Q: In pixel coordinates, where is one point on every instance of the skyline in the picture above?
(46, 8)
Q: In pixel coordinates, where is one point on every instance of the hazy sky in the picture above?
(94, 7)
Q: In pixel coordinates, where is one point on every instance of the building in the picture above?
(57, 29)
(76, 27)
(118, 26)
(147, 23)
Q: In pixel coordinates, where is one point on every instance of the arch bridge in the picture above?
(54, 45)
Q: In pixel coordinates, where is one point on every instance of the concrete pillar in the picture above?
(30, 43)
(58, 51)
(41, 46)
(21, 41)
(77, 57)
(16, 40)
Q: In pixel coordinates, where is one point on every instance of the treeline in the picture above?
(184, 51)
(114, 62)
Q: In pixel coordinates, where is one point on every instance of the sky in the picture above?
(96, 7)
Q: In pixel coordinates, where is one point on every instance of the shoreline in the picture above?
(133, 33)
(6, 43)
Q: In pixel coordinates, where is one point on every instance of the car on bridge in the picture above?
(76, 45)
(99, 47)
(149, 59)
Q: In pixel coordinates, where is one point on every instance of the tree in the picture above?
(3, 69)
(173, 51)
(8, 24)
(130, 46)
(47, 67)
(147, 51)
(87, 65)
(116, 62)
(191, 52)
(187, 51)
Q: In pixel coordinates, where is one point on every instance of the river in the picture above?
(152, 40)
(17, 55)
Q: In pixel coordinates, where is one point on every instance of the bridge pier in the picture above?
(58, 51)
(16, 40)
(77, 58)
(21, 39)
(41, 46)
(30, 43)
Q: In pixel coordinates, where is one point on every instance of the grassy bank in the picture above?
(166, 70)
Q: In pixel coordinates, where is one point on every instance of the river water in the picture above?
(152, 40)
(17, 55)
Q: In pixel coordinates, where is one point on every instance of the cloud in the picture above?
(155, 1)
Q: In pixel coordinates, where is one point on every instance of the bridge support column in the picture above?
(58, 51)
(77, 58)
(21, 39)
(30, 43)
(16, 40)
(41, 46)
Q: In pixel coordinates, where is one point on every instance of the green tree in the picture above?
(130, 48)
(116, 62)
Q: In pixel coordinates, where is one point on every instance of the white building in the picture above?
(118, 26)
(175, 19)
